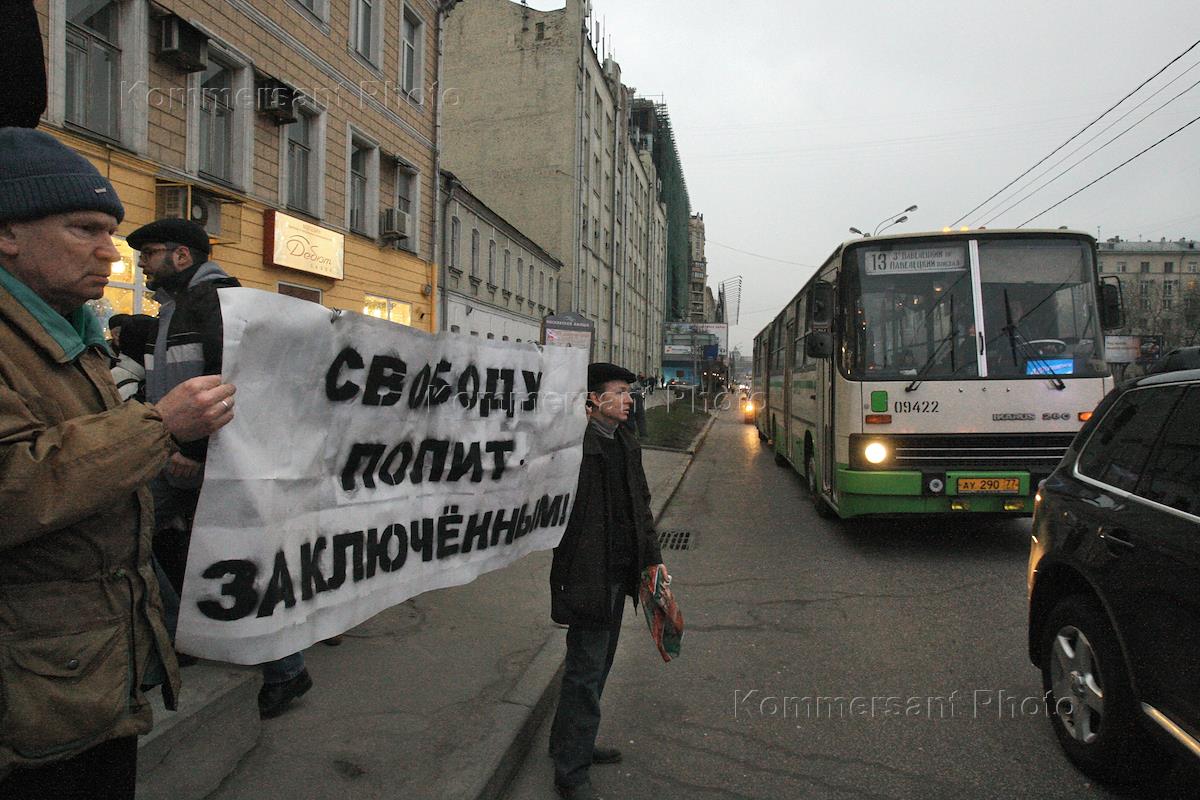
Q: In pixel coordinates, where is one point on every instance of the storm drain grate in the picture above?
(676, 540)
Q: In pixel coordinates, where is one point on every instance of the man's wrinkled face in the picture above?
(65, 259)
(612, 403)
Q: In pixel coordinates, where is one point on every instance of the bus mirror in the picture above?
(819, 345)
(1112, 314)
(820, 305)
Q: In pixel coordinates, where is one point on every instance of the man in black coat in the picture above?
(609, 540)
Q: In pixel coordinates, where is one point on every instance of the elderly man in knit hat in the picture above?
(608, 542)
(81, 630)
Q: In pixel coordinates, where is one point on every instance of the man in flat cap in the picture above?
(81, 624)
(609, 540)
(175, 255)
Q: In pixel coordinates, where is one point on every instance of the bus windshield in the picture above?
(1024, 309)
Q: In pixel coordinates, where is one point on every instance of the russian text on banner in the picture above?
(368, 462)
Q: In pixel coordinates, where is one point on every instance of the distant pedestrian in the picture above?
(81, 622)
(133, 340)
(174, 253)
(608, 542)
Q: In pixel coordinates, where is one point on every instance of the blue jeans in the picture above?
(589, 659)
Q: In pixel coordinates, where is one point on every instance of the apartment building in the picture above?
(1160, 283)
(539, 129)
(496, 282)
(300, 133)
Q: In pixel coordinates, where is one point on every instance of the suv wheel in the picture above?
(1091, 705)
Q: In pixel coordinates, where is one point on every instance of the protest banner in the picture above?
(366, 463)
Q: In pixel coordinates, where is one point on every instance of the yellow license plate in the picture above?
(989, 485)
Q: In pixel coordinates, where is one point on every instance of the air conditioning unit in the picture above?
(278, 101)
(187, 202)
(182, 45)
(393, 224)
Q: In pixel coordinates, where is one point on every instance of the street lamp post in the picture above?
(894, 221)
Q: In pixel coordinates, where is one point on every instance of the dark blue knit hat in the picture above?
(40, 176)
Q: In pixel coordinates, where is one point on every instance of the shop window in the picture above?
(396, 311)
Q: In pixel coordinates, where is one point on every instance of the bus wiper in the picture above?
(937, 351)
(1015, 340)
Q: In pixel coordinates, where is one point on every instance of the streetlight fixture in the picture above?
(881, 224)
(896, 221)
(856, 230)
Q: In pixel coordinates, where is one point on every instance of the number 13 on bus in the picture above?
(936, 373)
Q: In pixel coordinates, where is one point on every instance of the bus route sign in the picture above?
(916, 260)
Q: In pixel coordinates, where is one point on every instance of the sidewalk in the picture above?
(436, 697)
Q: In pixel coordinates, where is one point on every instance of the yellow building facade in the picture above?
(300, 133)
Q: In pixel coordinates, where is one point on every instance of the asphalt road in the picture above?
(827, 659)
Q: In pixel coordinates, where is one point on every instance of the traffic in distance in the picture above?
(936, 372)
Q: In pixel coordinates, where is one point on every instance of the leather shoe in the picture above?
(584, 791)
(605, 755)
(273, 698)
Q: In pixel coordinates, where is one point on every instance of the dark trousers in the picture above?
(589, 659)
(107, 771)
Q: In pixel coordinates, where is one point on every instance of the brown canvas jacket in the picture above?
(80, 614)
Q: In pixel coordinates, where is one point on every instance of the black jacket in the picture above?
(579, 581)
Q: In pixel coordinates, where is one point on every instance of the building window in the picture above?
(530, 295)
(93, 66)
(1145, 266)
(301, 292)
(366, 23)
(216, 122)
(520, 276)
(386, 308)
(1191, 266)
(541, 288)
(475, 253)
(455, 233)
(1120, 266)
(301, 138)
(407, 201)
(492, 262)
(507, 266)
(1168, 267)
(362, 186)
(412, 37)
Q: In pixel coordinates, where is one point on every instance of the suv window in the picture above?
(1122, 442)
(1173, 474)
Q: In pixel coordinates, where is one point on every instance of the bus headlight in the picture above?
(876, 452)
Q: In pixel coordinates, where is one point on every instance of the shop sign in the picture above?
(293, 243)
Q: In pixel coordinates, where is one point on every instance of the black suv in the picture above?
(1114, 582)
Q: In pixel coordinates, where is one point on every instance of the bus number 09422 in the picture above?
(915, 407)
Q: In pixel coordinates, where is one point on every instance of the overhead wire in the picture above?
(759, 255)
(1094, 152)
(1075, 136)
(1111, 171)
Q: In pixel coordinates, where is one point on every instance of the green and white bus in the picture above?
(937, 372)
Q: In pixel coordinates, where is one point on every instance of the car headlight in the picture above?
(748, 407)
(876, 452)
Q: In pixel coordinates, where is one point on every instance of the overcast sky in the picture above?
(797, 120)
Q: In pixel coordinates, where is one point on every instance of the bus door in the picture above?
(789, 369)
(820, 348)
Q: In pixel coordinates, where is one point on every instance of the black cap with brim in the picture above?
(176, 231)
(602, 372)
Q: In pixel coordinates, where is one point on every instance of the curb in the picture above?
(526, 705)
(533, 695)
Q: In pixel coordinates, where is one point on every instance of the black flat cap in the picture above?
(601, 372)
(178, 231)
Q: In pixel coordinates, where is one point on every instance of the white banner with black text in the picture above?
(366, 463)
